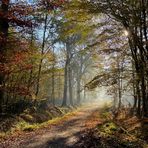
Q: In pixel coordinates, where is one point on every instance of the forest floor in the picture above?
(79, 129)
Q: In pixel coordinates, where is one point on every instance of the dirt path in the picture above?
(62, 135)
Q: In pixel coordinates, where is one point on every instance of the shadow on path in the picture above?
(62, 142)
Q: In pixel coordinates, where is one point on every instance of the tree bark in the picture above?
(53, 82)
(64, 103)
(78, 90)
(42, 53)
(70, 85)
(4, 25)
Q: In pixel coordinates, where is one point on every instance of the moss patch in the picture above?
(108, 128)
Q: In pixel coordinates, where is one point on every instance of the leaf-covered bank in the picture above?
(124, 132)
(32, 119)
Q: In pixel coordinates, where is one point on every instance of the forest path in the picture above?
(67, 133)
(64, 134)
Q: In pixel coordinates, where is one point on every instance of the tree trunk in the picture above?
(64, 103)
(139, 99)
(42, 53)
(78, 91)
(119, 84)
(53, 86)
(70, 85)
(134, 88)
(59, 80)
(3, 41)
(144, 99)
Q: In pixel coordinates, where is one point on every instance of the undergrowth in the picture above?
(26, 124)
(114, 130)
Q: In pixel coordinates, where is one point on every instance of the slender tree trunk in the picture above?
(64, 103)
(42, 53)
(70, 85)
(120, 102)
(59, 91)
(3, 41)
(135, 102)
(78, 91)
(134, 88)
(119, 85)
(53, 85)
(139, 99)
(144, 99)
